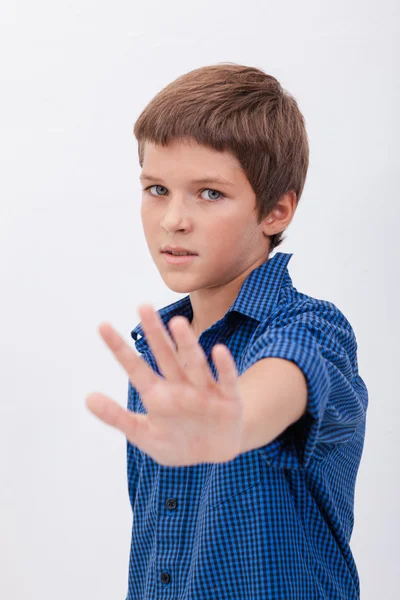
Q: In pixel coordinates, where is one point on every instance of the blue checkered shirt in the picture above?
(274, 523)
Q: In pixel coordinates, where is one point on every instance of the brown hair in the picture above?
(242, 110)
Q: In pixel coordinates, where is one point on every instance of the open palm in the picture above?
(191, 418)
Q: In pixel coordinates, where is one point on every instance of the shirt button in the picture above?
(165, 577)
(171, 503)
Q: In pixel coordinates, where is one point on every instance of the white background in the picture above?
(74, 77)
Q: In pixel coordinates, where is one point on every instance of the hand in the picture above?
(191, 418)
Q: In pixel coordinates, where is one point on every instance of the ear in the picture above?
(282, 214)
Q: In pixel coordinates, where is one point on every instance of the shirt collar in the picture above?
(256, 299)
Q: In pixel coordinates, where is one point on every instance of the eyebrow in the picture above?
(206, 179)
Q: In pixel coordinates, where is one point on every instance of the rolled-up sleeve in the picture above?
(321, 342)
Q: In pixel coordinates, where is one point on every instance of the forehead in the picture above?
(191, 155)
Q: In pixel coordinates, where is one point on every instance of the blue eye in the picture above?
(214, 191)
(203, 190)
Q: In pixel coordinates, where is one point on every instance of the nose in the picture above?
(176, 212)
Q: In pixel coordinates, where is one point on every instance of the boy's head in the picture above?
(224, 121)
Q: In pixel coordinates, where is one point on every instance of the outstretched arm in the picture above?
(191, 418)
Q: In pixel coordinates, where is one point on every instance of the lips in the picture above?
(186, 254)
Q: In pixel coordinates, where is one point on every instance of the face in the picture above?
(215, 220)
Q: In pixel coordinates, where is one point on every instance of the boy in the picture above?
(246, 413)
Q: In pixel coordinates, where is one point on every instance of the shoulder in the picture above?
(302, 307)
(298, 316)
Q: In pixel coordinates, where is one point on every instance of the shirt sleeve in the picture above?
(321, 342)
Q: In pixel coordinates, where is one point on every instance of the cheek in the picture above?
(224, 232)
(148, 216)
(144, 208)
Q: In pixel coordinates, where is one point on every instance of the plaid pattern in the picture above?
(274, 523)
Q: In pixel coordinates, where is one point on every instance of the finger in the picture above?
(226, 369)
(132, 425)
(160, 343)
(141, 375)
(190, 351)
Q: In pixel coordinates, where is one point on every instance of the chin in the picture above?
(179, 289)
(175, 286)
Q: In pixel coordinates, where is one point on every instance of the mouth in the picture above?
(178, 260)
(169, 252)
